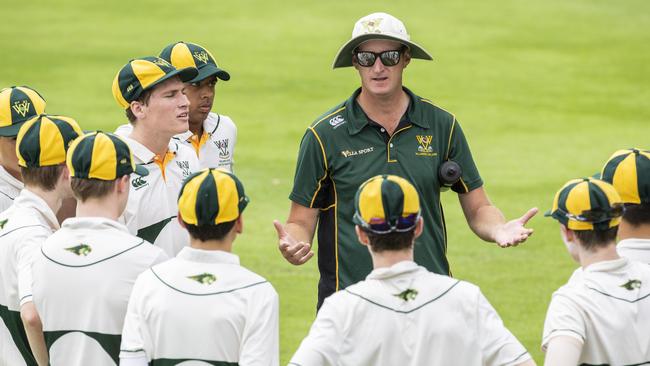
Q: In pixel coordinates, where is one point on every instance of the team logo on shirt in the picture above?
(204, 278)
(424, 145)
(337, 121)
(184, 165)
(3, 223)
(348, 153)
(139, 182)
(222, 145)
(80, 250)
(631, 285)
(408, 294)
(21, 107)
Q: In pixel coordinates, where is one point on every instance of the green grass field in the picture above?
(545, 92)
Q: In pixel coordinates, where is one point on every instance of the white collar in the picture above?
(28, 199)
(396, 269)
(607, 266)
(209, 125)
(93, 223)
(207, 256)
(10, 179)
(142, 153)
(636, 243)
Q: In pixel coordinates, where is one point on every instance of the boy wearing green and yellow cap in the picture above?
(85, 271)
(602, 315)
(41, 146)
(203, 305)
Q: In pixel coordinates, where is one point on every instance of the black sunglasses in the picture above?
(388, 58)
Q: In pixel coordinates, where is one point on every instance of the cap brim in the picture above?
(344, 56)
(141, 170)
(209, 70)
(12, 130)
(548, 213)
(185, 74)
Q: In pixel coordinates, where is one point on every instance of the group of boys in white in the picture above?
(142, 271)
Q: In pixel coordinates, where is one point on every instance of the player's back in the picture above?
(405, 315)
(607, 307)
(82, 282)
(202, 305)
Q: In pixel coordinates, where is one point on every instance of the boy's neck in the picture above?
(51, 198)
(388, 258)
(629, 231)
(224, 245)
(106, 207)
(156, 142)
(598, 254)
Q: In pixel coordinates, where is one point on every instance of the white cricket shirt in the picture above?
(10, 188)
(635, 249)
(607, 308)
(407, 316)
(215, 149)
(202, 306)
(82, 282)
(152, 209)
(23, 228)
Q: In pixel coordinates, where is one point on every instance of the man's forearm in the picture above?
(485, 222)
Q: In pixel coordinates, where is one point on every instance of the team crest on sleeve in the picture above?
(21, 107)
(631, 285)
(424, 145)
(80, 250)
(204, 278)
(408, 294)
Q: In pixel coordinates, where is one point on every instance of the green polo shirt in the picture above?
(342, 149)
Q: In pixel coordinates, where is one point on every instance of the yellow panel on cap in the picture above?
(147, 72)
(103, 163)
(625, 180)
(577, 201)
(5, 107)
(370, 202)
(187, 201)
(68, 155)
(37, 101)
(181, 56)
(411, 197)
(117, 93)
(227, 196)
(52, 144)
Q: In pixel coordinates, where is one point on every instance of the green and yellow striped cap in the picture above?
(17, 105)
(211, 197)
(385, 204)
(102, 156)
(181, 55)
(44, 140)
(629, 172)
(144, 73)
(587, 204)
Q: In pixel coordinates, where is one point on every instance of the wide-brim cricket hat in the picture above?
(182, 55)
(385, 204)
(144, 73)
(102, 156)
(44, 140)
(211, 197)
(628, 171)
(17, 105)
(378, 26)
(587, 204)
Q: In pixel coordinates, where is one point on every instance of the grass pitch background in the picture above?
(545, 92)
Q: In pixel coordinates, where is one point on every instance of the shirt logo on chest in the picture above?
(139, 182)
(349, 153)
(424, 145)
(184, 165)
(222, 145)
(337, 121)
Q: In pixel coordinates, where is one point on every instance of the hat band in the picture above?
(381, 226)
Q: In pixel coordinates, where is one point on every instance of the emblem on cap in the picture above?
(372, 25)
(202, 56)
(161, 62)
(21, 107)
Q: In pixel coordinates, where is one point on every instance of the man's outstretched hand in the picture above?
(295, 252)
(514, 232)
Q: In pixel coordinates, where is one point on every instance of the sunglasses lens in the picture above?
(389, 58)
(366, 59)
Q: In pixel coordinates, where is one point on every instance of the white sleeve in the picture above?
(26, 252)
(260, 339)
(563, 351)
(232, 149)
(563, 318)
(499, 345)
(133, 343)
(322, 345)
(138, 361)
